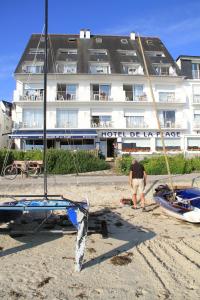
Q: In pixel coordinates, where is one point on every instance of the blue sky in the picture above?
(176, 22)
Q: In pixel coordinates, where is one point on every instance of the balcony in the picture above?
(101, 97)
(129, 96)
(31, 97)
(63, 96)
(141, 125)
(27, 125)
(102, 124)
(196, 99)
(171, 125)
(196, 125)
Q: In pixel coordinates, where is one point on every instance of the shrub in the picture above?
(123, 164)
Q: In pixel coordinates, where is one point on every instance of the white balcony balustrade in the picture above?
(196, 99)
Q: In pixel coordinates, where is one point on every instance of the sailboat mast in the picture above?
(45, 100)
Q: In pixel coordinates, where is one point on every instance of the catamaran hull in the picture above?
(191, 216)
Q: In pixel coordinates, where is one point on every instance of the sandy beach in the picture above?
(147, 255)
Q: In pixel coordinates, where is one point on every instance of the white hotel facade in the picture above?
(98, 96)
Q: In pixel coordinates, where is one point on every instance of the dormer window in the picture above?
(34, 69)
(161, 69)
(67, 68)
(132, 69)
(127, 52)
(98, 52)
(36, 51)
(124, 41)
(196, 70)
(149, 42)
(68, 51)
(155, 53)
(99, 68)
(98, 40)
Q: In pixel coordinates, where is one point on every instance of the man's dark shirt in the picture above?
(137, 170)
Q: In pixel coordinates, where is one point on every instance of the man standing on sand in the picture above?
(137, 181)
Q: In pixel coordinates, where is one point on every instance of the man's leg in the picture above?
(142, 200)
(134, 200)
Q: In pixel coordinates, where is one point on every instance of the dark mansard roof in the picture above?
(57, 43)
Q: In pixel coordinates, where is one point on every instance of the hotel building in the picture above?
(98, 96)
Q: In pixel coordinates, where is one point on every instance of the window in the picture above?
(99, 68)
(66, 91)
(68, 51)
(33, 91)
(71, 39)
(74, 144)
(196, 93)
(170, 144)
(35, 69)
(155, 53)
(161, 69)
(101, 121)
(138, 92)
(149, 42)
(136, 145)
(98, 52)
(134, 92)
(166, 96)
(67, 68)
(196, 70)
(66, 118)
(98, 40)
(100, 92)
(193, 144)
(135, 122)
(127, 52)
(124, 41)
(36, 51)
(167, 118)
(132, 69)
(32, 118)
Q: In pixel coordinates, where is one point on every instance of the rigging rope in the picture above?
(156, 113)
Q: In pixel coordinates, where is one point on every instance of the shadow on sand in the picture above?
(115, 229)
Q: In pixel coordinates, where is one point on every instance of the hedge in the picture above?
(59, 161)
(156, 165)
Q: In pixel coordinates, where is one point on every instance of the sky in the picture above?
(175, 22)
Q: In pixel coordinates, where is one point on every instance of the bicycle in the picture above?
(27, 168)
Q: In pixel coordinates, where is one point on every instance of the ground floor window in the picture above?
(33, 144)
(193, 144)
(77, 144)
(136, 145)
(170, 144)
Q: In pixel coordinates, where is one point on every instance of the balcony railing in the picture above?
(170, 99)
(101, 124)
(171, 124)
(31, 97)
(131, 97)
(196, 98)
(196, 124)
(20, 125)
(101, 97)
(136, 125)
(63, 96)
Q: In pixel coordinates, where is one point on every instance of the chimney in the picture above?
(84, 34)
(132, 36)
(87, 34)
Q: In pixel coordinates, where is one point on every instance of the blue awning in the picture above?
(54, 134)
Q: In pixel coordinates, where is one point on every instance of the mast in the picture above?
(45, 100)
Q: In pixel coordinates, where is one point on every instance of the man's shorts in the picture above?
(138, 185)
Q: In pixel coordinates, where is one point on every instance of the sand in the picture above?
(147, 255)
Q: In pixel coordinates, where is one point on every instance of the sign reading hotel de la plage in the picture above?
(139, 134)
